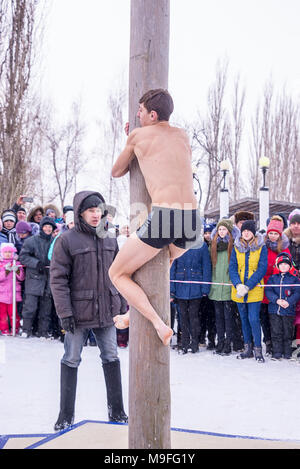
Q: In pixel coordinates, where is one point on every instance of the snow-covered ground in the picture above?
(209, 392)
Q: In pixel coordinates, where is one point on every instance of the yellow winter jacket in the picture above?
(248, 267)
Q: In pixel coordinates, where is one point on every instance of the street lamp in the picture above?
(264, 197)
(224, 166)
(264, 164)
(224, 194)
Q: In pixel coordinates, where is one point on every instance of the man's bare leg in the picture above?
(130, 258)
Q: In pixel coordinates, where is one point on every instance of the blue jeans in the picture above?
(106, 339)
(249, 313)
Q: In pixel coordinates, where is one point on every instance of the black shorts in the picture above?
(165, 226)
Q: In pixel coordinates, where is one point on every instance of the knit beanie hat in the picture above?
(67, 208)
(9, 215)
(293, 212)
(111, 210)
(283, 257)
(227, 223)
(208, 227)
(276, 224)
(23, 227)
(50, 210)
(295, 218)
(249, 225)
(90, 202)
(69, 217)
(48, 221)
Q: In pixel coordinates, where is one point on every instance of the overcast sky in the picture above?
(87, 50)
(87, 47)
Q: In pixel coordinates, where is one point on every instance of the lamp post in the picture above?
(224, 194)
(264, 197)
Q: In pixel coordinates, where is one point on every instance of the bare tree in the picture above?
(212, 137)
(63, 149)
(18, 126)
(237, 127)
(275, 134)
(112, 140)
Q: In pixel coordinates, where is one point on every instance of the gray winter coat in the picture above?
(79, 278)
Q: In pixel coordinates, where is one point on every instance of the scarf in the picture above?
(11, 234)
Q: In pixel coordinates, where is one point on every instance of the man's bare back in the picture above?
(164, 157)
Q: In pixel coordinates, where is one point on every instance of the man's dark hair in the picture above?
(160, 101)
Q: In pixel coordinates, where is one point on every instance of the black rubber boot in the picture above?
(227, 348)
(112, 375)
(220, 346)
(68, 384)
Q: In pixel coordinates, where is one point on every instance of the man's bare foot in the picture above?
(121, 321)
(164, 333)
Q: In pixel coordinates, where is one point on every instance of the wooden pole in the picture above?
(149, 359)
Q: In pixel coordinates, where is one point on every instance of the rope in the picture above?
(231, 285)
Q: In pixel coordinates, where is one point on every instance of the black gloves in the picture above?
(68, 324)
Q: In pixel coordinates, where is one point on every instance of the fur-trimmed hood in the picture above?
(289, 234)
(252, 247)
(54, 208)
(235, 233)
(273, 245)
(32, 213)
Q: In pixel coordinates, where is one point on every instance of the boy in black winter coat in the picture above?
(283, 297)
(37, 302)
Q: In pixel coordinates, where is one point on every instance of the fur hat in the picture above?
(243, 216)
(249, 225)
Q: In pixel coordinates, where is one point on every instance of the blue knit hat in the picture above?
(208, 227)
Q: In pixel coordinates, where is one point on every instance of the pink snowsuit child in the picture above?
(7, 253)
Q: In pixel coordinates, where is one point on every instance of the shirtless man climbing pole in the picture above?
(164, 156)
